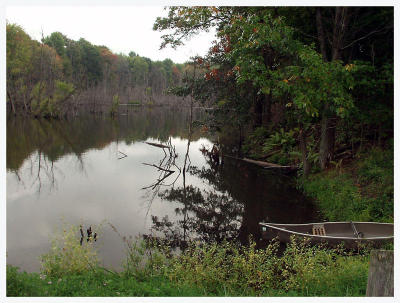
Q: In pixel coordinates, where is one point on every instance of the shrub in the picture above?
(67, 255)
(229, 269)
(46, 105)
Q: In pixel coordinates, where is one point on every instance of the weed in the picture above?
(67, 255)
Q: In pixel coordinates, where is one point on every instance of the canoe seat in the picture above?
(318, 230)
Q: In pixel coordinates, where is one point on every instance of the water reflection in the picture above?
(238, 196)
(94, 169)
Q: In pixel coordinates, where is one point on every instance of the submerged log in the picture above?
(157, 145)
(264, 164)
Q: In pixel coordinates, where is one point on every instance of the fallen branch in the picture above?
(263, 163)
(158, 145)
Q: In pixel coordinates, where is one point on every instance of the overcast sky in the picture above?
(122, 29)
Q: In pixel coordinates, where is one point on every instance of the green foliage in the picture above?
(57, 41)
(62, 91)
(50, 106)
(19, 51)
(301, 271)
(279, 147)
(114, 105)
(38, 101)
(284, 147)
(67, 256)
(375, 176)
(254, 142)
(145, 258)
(306, 80)
(337, 197)
(364, 193)
(225, 269)
(93, 284)
(134, 102)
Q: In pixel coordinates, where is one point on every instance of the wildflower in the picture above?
(49, 282)
(42, 277)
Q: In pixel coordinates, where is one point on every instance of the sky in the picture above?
(121, 28)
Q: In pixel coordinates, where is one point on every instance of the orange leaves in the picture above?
(213, 74)
(349, 67)
(207, 76)
(215, 49)
(107, 55)
(227, 48)
(215, 10)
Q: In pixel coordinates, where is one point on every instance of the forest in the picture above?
(58, 76)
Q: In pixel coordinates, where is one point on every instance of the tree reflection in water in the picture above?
(206, 215)
(238, 197)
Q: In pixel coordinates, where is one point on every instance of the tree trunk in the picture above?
(321, 34)
(266, 119)
(258, 110)
(323, 147)
(328, 126)
(11, 102)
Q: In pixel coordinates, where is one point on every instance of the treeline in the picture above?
(301, 85)
(58, 75)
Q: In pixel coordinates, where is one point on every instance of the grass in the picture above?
(99, 283)
(225, 269)
(362, 191)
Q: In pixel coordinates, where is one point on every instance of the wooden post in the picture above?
(380, 275)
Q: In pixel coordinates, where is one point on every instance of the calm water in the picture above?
(95, 171)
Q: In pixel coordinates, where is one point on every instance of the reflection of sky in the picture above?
(98, 188)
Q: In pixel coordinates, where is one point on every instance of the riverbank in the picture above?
(209, 270)
(361, 190)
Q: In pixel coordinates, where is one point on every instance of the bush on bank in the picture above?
(225, 269)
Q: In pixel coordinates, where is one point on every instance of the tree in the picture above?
(19, 65)
(273, 51)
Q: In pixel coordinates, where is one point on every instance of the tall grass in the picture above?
(303, 270)
(362, 192)
(225, 269)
